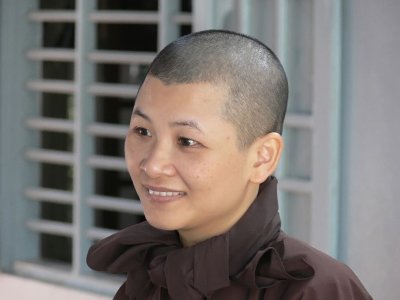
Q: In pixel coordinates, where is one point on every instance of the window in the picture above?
(90, 57)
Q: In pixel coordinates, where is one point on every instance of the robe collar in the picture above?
(157, 265)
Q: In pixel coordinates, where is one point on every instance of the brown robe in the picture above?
(253, 260)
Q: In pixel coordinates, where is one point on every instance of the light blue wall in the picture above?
(371, 142)
(16, 104)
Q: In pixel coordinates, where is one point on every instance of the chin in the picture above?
(161, 224)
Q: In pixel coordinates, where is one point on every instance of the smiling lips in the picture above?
(164, 194)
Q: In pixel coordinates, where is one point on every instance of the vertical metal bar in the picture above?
(282, 20)
(326, 108)
(348, 77)
(242, 10)
(16, 104)
(203, 14)
(335, 189)
(83, 144)
(167, 30)
(282, 29)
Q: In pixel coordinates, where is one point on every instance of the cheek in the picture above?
(132, 157)
(228, 169)
(128, 152)
(194, 170)
(203, 174)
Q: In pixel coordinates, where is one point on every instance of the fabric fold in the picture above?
(158, 267)
(267, 269)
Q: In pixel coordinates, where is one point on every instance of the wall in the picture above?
(371, 168)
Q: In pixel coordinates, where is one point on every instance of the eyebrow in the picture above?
(182, 123)
(138, 112)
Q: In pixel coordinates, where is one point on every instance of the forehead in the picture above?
(155, 95)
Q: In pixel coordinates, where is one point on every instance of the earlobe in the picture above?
(268, 152)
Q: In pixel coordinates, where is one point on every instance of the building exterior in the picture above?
(69, 74)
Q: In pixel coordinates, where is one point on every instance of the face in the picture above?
(184, 161)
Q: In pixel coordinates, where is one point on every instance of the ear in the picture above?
(267, 152)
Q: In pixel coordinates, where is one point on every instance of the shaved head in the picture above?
(251, 72)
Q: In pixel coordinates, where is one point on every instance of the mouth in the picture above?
(164, 194)
(159, 194)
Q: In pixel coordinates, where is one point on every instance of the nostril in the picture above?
(157, 162)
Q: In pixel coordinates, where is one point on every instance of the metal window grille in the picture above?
(93, 55)
(90, 58)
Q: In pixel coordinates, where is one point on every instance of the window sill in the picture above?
(14, 287)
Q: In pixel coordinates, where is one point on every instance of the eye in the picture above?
(186, 142)
(142, 131)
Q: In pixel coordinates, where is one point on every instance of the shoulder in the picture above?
(121, 251)
(103, 254)
(332, 279)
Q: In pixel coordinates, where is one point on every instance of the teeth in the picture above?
(164, 194)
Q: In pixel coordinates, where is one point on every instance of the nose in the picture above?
(158, 162)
